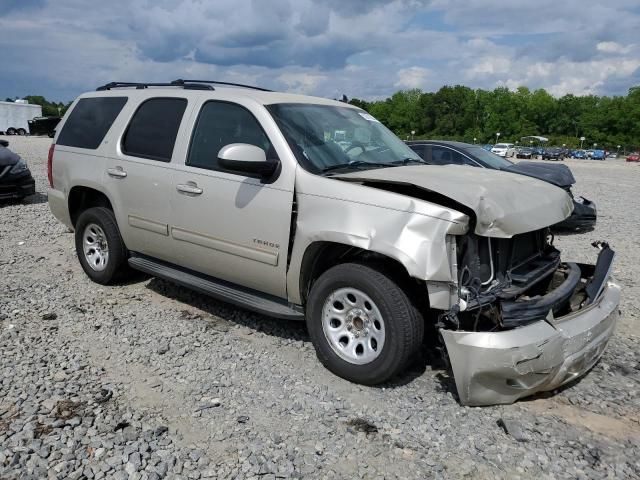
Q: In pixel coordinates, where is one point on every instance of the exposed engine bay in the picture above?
(505, 283)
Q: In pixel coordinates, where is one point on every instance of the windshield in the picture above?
(328, 137)
(501, 145)
(490, 159)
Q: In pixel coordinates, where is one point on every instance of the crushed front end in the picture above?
(526, 321)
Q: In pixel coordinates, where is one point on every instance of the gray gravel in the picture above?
(148, 380)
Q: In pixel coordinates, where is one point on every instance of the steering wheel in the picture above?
(353, 146)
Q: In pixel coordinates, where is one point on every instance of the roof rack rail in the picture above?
(214, 82)
(140, 86)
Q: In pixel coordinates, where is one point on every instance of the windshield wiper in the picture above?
(409, 160)
(356, 164)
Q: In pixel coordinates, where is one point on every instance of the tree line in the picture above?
(476, 116)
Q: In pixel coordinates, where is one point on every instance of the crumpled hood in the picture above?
(556, 174)
(505, 204)
(7, 157)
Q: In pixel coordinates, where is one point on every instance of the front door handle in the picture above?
(190, 188)
(117, 172)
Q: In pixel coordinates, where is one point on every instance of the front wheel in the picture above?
(99, 246)
(362, 324)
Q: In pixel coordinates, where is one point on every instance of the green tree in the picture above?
(458, 112)
(49, 109)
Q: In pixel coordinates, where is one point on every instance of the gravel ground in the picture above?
(148, 380)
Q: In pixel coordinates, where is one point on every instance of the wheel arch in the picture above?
(82, 197)
(320, 256)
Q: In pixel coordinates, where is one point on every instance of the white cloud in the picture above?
(305, 83)
(614, 47)
(361, 48)
(412, 77)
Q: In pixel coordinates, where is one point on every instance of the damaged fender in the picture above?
(413, 232)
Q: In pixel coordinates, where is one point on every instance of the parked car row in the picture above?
(560, 153)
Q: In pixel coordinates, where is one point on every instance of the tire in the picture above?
(97, 225)
(21, 131)
(11, 131)
(397, 335)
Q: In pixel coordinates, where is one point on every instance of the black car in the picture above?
(553, 154)
(438, 152)
(44, 126)
(16, 181)
(525, 152)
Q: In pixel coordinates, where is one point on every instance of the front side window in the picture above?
(328, 137)
(220, 124)
(89, 121)
(153, 129)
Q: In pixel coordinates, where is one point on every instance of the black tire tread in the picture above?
(412, 329)
(118, 267)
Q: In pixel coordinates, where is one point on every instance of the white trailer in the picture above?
(15, 115)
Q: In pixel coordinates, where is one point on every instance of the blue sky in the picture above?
(362, 48)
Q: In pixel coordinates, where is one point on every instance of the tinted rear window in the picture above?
(153, 129)
(90, 121)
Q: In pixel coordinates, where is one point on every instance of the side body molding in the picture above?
(221, 245)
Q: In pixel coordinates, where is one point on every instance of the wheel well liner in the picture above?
(82, 198)
(322, 255)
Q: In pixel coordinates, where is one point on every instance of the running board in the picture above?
(242, 297)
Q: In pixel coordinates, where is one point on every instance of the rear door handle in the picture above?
(190, 188)
(117, 172)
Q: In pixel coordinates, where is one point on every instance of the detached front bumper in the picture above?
(501, 367)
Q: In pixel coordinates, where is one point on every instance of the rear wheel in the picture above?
(99, 246)
(11, 131)
(21, 131)
(362, 324)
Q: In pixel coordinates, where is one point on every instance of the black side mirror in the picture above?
(4, 143)
(248, 159)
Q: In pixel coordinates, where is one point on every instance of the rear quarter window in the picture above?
(89, 121)
(153, 129)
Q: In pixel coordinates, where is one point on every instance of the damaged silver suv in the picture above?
(306, 208)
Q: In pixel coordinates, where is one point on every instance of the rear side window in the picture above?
(90, 121)
(153, 129)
